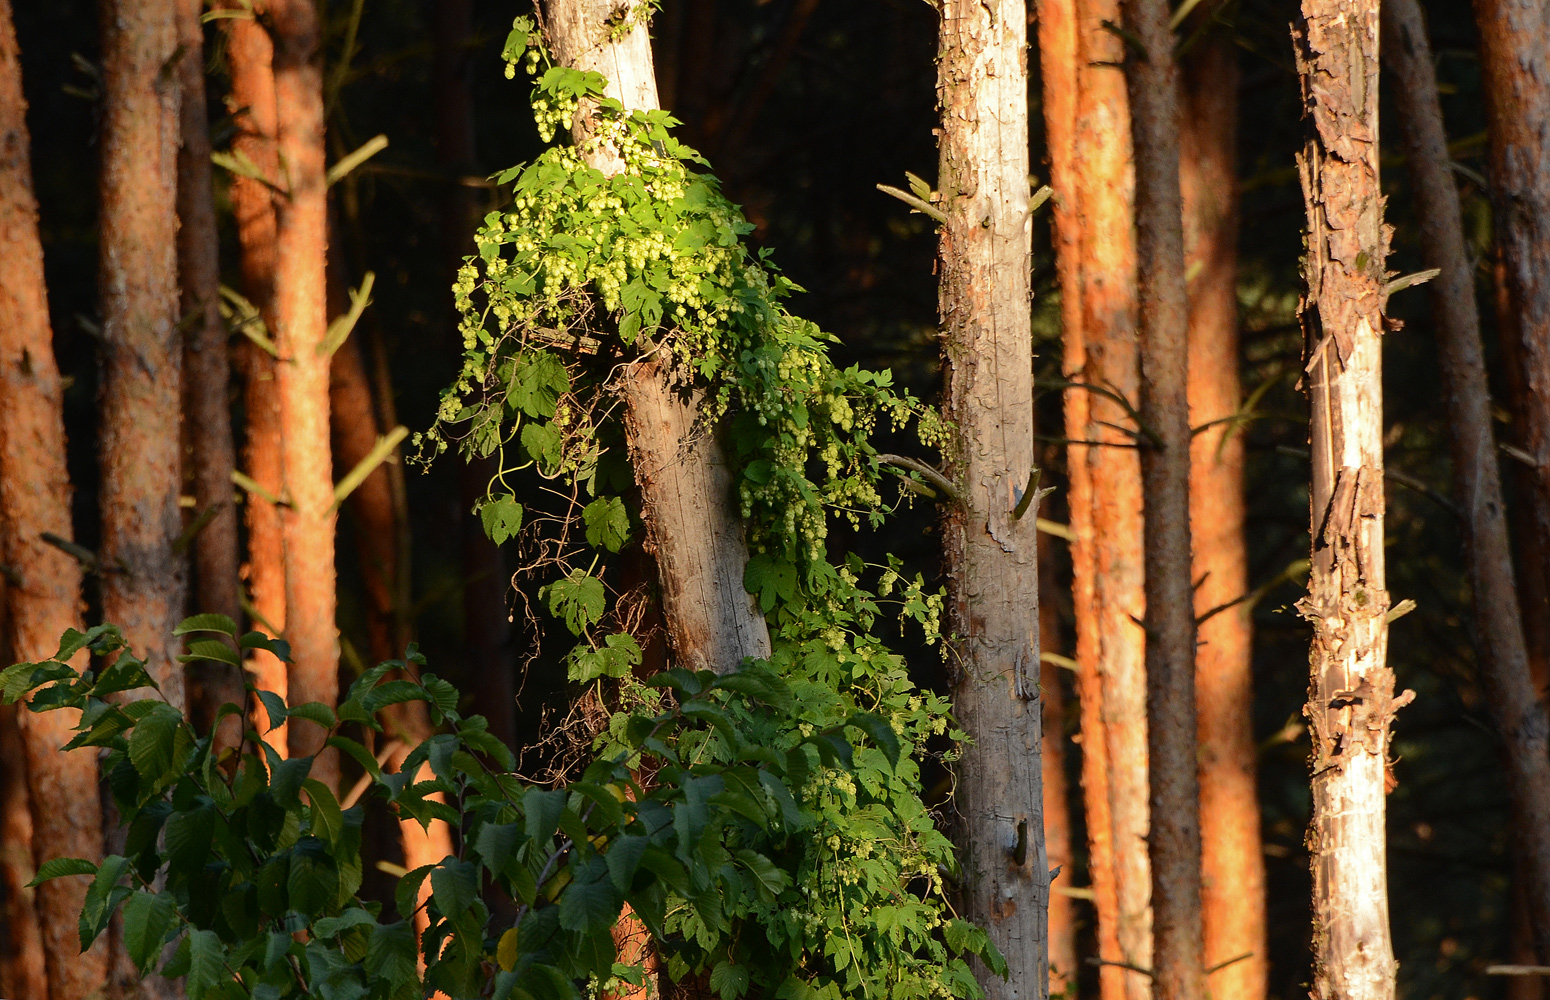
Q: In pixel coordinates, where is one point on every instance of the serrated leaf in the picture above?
(728, 980)
(454, 884)
(206, 623)
(537, 383)
(148, 918)
(153, 743)
(586, 906)
(274, 708)
(391, 954)
(760, 683)
(102, 898)
(207, 962)
(258, 640)
(881, 732)
(61, 867)
(188, 838)
(544, 444)
(607, 523)
(623, 859)
(211, 649)
(315, 711)
(407, 893)
(577, 600)
(502, 519)
(353, 917)
(327, 819)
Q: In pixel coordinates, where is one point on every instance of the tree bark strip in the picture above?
(1350, 694)
(686, 487)
(991, 552)
(206, 374)
(1232, 854)
(44, 597)
(143, 579)
(23, 972)
(250, 62)
(301, 375)
(1063, 922)
(1178, 969)
(1518, 713)
(1063, 72)
(1104, 161)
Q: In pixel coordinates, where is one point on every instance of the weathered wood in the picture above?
(991, 552)
(1351, 690)
(1515, 708)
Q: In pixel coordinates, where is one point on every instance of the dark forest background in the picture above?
(802, 106)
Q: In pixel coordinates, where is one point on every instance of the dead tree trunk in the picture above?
(44, 597)
(143, 579)
(989, 542)
(250, 62)
(1232, 856)
(1351, 690)
(686, 487)
(206, 374)
(1517, 711)
(301, 374)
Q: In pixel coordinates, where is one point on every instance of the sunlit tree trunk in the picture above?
(22, 968)
(142, 582)
(250, 63)
(301, 374)
(1232, 856)
(206, 375)
(43, 597)
(1350, 691)
(1063, 920)
(1503, 654)
(1063, 73)
(990, 544)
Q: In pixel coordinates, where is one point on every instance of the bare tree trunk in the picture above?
(1517, 711)
(1057, 810)
(250, 62)
(142, 580)
(22, 968)
(1350, 692)
(1104, 164)
(206, 374)
(686, 487)
(301, 374)
(1178, 969)
(1063, 72)
(990, 543)
(43, 597)
(1232, 855)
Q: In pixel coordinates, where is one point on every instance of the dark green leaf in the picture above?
(274, 708)
(588, 906)
(315, 711)
(102, 898)
(607, 524)
(206, 623)
(576, 600)
(390, 954)
(624, 857)
(211, 649)
(454, 884)
(153, 743)
(730, 981)
(207, 964)
(148, 919)
(353, 917)
(60, 867)
(881, 732)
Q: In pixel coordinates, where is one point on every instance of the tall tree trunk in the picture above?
(301, 374)
(686, 486)
(1057, 801)
(1350, 691)
(22, 968)
(1104, 164)
(250, 62)
(1063, 73)
(43, 598)
(206, 373)
(1232, 855)
(1178, 970)
(990, 543)
(142, 580)
(1503, 654)
(486, 618)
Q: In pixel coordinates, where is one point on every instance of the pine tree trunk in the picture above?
(1517, 712)
(206, 375)
(1104, 162)
(143, 579)
(990, 547)
(1232, 855)
(686, 487)
(1063, 922)
(1063, 73)
(1350, 695)
(43, 598)
(301, 375)
(250, 63)
(22, 969)
(1178, 969)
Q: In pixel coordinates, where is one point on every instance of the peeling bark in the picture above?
(1518, 713)
(142, 362)
(44, 597)
(1351, 690)
(250, 62)
(990, 549)
(301, 375)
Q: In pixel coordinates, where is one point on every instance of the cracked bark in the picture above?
(1350, 691)
(1516, 710)
(991, 554)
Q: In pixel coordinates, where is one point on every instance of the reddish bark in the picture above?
(1232, 856)
(43, 596)
(142, 358)
(22, 968)
(301, 375)
(250, 62)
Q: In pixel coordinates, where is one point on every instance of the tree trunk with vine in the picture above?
(1351, 690)
(990, 541)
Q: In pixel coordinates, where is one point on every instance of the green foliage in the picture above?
(584, 272)
(240, 872)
